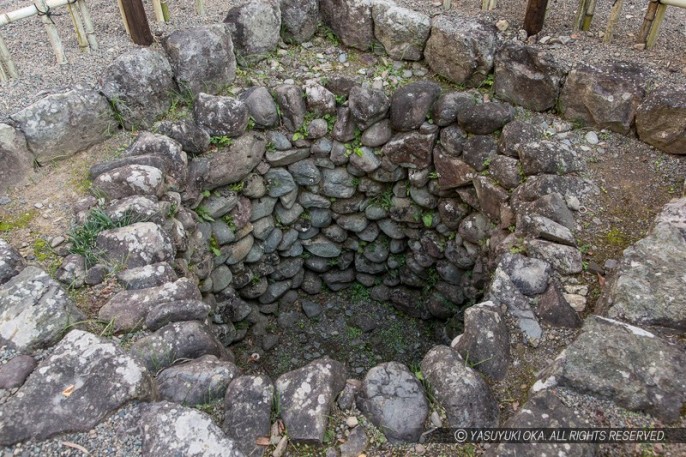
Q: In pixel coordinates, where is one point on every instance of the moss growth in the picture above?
(18, 222)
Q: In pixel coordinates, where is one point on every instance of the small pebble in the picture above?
(56, 241)
(592, 137)
(343, 57)
(502, 25)
(5, 200)
(352, 422)
(573, 202)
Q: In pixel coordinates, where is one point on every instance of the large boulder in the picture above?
(350, 20)
(393, 399)
(61, 125)
(648, 286)
(255, 27)
(291, 100)
(305, 397)
(467, 399)
(84, 373)
(402, 32)
(625, 364)
(129, 180)
(175, 430)
(202, 58)
(411, 104)
(34, 311)
(16, 159)
(220, 115)
(192, 138)
(261, 106)
(528, 76)
(411, 149)
(140, 86)
(247, 412)
(605, 96)
(299, 20)
(135, 245)
(461, 50)
(196, 382)
(661, 120)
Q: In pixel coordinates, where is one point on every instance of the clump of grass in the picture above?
(19, 222)
(82, 237)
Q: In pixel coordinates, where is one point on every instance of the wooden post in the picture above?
(535, 16)
(74, 12)
(137, 21)
(612, 21)
(200, 6)
(88, 25)
(6, 60)
(51, 30)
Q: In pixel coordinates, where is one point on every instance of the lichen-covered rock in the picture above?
(565, 259)
(247, 412)
(648, 284)
(528, 274)
(299, 20)
(196, 382)
(661, 120)
(402, 32)
(137, 208)
(130, 180)
(411, 104)
(34, 311)
(174, 430)
(367, 105)
(527, 76)
(350, 20)
(292, 103)
(467, 399)
(393, 399)
(625, 364)
(305, 397)
(11, 262)
(202, 58)
(140, 86)
(136, 245)
(605, 96)
(452, 172)
(72, 272)
(84, 373)
(261, 106)
(485, 118)
(127, 309)
(255, 27)
(178, 340)
(147, 276)
(61, 125)
(169, 152)
(220, 115)
(410, 149)
(547, 157)
(485, 342)
(16, 159)
(461, 50)
(503, 292)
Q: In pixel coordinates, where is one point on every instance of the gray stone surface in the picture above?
(393, 399)
(247, 412)
(305, 397)
(350, 20)
(192, 138)
(72, 272)
(546, 157)
(255, 28)
(202, 58)
(61, 125)
(178, 340)
(411, 104)
(15, 156)
(503, 292)
(135, 245)
(15, 371)
(130, 180)
(196, 382)
(410, 149)
(564, 259)
(220, 115)
(174, 311)
(402, 32)
(11, 262)
(261, 106)
(174, 430)
(648, 286)
(140, 85)
(299, 20)
(461, 50)
(485, 343)
(368, 105)
(661, 120)
(151, 275)
(85, 373)
(467, 399)
(292, 104)
(34, 311)
(605, 96)
(485, 118)
(529, 275)
(173, 158)
(625, 364)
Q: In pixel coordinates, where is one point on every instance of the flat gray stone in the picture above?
(247, 412)
(135, 245)
(196, 382)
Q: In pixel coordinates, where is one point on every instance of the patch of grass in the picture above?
(83, 237)
(617, 238)
(214, 246)
(353, 332)
(383, 201)
(221, 141)
(18, 222)
(358, 292)
(203, 213)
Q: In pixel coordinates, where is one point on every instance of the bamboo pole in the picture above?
(123, 17)
(3, 75)
(27, 11)
(6, 60)
(200, 7)
(447, 4)
(612, 21)
(655, 27)
(51, 30)
(74, 12)
(586, 11)
(88, 25)
(488, 5)
(165, 10)
(157, 8)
